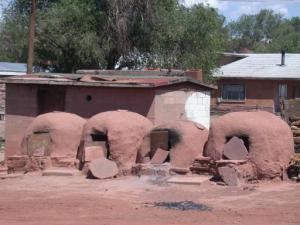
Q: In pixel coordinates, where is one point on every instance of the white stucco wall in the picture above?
(182, 104)
(197, 107)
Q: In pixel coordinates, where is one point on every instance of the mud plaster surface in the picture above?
(125, 132)
(193, 137)
(65, 130)
(271, 141)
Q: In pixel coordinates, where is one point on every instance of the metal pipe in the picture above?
(31, 38)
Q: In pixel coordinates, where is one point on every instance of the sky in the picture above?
(233, 9)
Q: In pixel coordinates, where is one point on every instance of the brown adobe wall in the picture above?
(270, 140)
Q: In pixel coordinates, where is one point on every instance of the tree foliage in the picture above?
(266, 31)
(73, 34)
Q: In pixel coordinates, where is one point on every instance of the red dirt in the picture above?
(36, 200)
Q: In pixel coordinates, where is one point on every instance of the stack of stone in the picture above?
(295, 126)
(202, 165)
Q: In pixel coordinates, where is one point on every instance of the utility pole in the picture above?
(31, 37)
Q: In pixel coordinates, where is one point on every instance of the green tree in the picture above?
(190, 38)
(250, 31)
(74, 34)
(14, 29)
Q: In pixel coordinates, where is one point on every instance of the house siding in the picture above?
(259, 94)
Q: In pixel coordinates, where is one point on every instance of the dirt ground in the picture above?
(36, 200)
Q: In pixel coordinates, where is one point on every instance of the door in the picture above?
(281, 95)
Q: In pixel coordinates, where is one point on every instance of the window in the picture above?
(282, 92)
(233, 92)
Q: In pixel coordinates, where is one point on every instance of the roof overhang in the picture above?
(112, 81)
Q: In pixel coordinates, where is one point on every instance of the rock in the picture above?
(297, 140)
(146, 159)
(179, 170)
(235, 149)
(284, 175)
(17, 162)
(151, 169)
(189, 179)
(3, 170)
(103, 168)
(229, 175)
(59, 172)
(222, 162)
(296, 123)
(11, 176)
(66, 162)
(296, 133)
(159, 156)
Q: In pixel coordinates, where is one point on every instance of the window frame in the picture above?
(231, 99)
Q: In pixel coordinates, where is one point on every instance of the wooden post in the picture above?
(31, 38)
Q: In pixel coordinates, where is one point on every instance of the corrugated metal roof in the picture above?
(13, 67)
(262, 66)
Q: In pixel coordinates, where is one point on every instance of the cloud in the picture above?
(221, 5)
(255, 7)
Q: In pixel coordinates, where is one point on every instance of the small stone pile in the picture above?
(295, 126)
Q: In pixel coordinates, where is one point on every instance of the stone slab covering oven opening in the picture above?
(114, 135)
(178, 143)
(256, 145)
(236, 148)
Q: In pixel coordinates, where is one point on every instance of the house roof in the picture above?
(12, 69)
(261, 66)
(132, 81)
